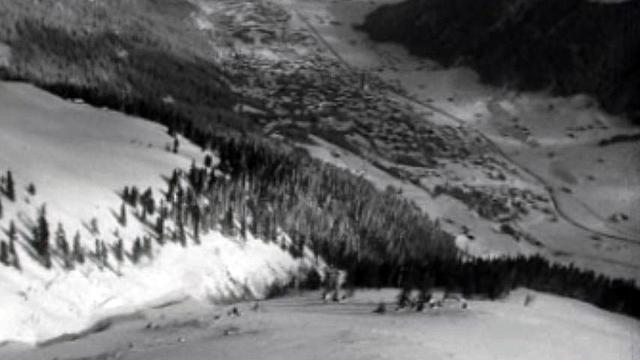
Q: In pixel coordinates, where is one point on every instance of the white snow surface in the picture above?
(79, 157)
(303, 327)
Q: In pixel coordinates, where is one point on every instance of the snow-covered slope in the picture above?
(302, 327)
(79, 157)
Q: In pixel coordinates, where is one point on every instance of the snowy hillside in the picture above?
(78, 158)
(302, 327)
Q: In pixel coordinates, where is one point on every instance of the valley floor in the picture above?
(303, 327)
(552, 143)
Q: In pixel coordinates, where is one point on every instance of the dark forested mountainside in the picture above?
(570, 46)
(140, 57)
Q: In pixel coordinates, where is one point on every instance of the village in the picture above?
(292, 93)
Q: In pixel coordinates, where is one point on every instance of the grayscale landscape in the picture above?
(306, 179)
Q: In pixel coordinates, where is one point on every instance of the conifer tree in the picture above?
(63, 246)
(125, 195)
(147, 202)
(134, 196)
(182, 235)
(41, 237)
(196, 216)
(122, 219)
(193, 174)
(173, 183)
(176, 145)
(4, 253)
(136, 250)
(118, 250)
(228, 226)
(12, 232)
(78, 251)
(160, 228)
(243, 227)
(104, 254)
(147, 246)
(93, 226)
(15, 261)
(143, 213)
(97, 253)
(61, 240)
(10, 187)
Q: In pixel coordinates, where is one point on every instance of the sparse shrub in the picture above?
(31, 189)
(381, 308)
(93, 226)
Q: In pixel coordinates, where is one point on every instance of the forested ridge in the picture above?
(260, 185)
(568, 47)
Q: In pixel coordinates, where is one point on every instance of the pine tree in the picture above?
(160, 228)
(243, 223)
(97, 252)
(136, 250)
(182, 235)
(176, 145)
(78, 251)
(147, 246)
(228, 226)
(10, 187)
(173, 184)
(63, 246)
(41, 237)
(12, 231)
(104, 254)
(125, 195)
(93, 226)
(147, 202)
(15, 261)
(118, 250)
(134, 196)
(4, 253)
(143, 213)
(193, 174)
(122, 219)
(61, 240)
(196, 216)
